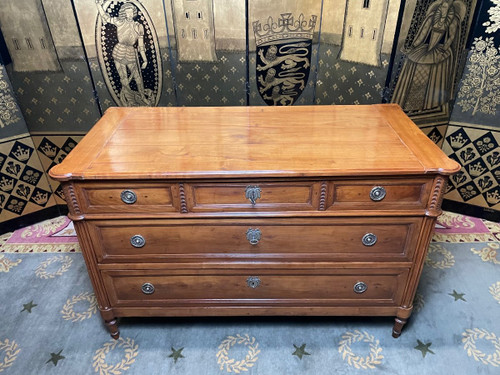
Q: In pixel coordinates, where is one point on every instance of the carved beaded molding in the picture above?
(72, 201)
(322, 197)
(182, 194)
(437, 196)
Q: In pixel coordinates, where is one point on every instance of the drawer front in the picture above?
(128, 197)
(340, 286)
(366, 239)
(380, 194)
(253, 196)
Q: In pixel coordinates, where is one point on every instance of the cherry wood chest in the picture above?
(311, 210)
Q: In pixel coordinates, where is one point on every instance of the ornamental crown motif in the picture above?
(49, 150)
(22, 154)
(458, 141)
(6, 184)
(476, 170)
(285, 27)
(493, 197)
(40, 198)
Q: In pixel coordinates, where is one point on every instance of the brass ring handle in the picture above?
(377, 193)
(128, 197)
(252, 193)
(148, 288)
(254, 236)
(137, 241)
(253, 281)
(360, 287)
(369, 239)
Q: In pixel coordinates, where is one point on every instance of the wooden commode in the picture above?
(307, 210)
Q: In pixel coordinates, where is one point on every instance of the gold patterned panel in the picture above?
(24, 187)
(435, 133)
(477, 150)
(52, 149)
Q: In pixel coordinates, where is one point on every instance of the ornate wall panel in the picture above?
(24, 187)
(478, 99)
(52, 150)
(127, 46)
(355, 50)
(51, 100)
(429, 56)
(209, 51)
(473, 136)
(478, 151)
(283, 51)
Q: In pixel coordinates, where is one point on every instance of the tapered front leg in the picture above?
(113, 328)
(398, 326)
(401, 318)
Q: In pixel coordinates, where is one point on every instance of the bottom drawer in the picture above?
(252, 286)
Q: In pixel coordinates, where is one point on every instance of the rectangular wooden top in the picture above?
(228, 142)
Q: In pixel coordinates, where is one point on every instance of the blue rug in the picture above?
(49, 323)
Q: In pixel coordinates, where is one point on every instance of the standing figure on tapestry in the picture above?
(426, 79)
(128, 53)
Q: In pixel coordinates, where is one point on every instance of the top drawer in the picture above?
(249, 196)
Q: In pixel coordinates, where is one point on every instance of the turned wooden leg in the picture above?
(113, 328)
(398, 326)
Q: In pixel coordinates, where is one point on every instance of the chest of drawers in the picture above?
(314, 210)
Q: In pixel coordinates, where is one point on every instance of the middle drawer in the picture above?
(363, 239)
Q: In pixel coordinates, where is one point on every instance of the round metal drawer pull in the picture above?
(254, 236)
(252, 193)
(148, 288)
(377, 193)
(253, 281)
(137, 241)
(369, 239)
(128, 197)
(360, 287)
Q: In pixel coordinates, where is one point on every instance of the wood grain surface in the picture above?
(261, 141)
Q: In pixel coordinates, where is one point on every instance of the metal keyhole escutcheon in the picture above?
(252, 193)
(253, 281)
(254, 236)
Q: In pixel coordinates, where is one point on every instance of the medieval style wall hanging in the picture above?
(283, 57)
(364, 25)
(128, 53)
(432, 53)
(194, 30)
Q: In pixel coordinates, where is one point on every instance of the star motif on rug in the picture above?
(55, 357)
(457, 295)
(176, 354)
(300, 351)
(28, 306)
(424, 348)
